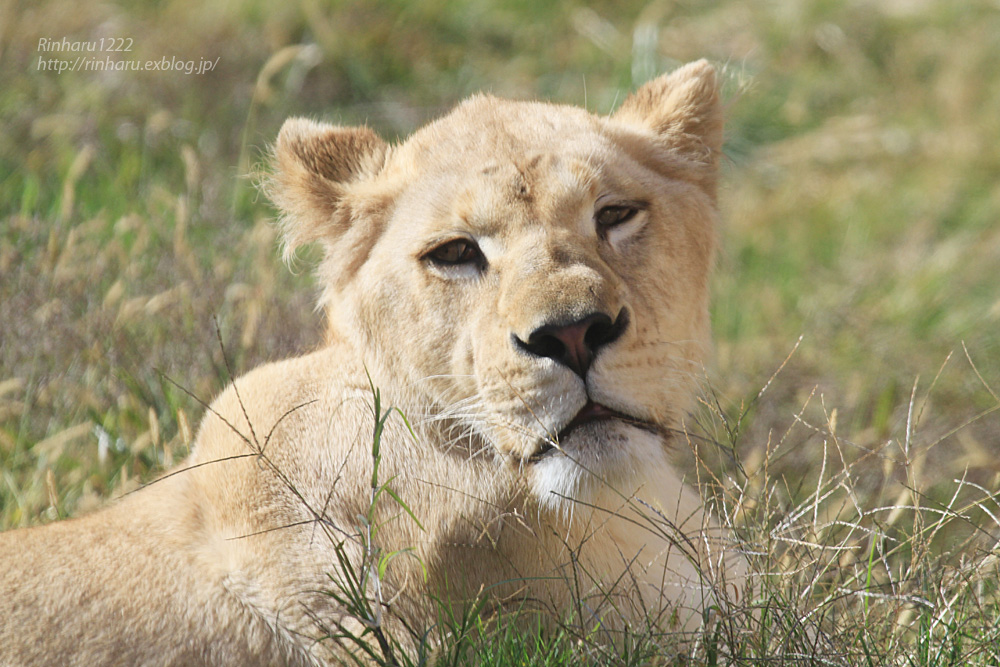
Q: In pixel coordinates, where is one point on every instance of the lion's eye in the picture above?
(611, 216)
(454, 253)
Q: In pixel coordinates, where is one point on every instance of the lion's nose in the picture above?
(575, 345)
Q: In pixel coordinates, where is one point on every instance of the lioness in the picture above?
(528, 284)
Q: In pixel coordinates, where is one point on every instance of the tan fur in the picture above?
(227, 562)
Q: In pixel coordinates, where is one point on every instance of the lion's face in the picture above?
(538, 275)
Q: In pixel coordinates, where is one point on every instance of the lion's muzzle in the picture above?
(574, 345)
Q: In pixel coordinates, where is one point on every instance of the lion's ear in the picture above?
(312, 165)
(683, 108)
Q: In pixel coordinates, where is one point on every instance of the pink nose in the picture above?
(574, 345)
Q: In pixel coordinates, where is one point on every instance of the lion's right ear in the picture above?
(312, 165)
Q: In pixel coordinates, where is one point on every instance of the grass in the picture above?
(859, 208)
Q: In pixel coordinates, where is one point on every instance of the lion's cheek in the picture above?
(411, 329)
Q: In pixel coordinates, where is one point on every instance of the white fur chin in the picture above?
(600, 462)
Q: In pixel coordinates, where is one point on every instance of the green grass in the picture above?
(860, 212)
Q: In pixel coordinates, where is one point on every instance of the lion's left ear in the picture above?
(683, 108)
(313, 163)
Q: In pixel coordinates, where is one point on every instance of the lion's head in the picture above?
(536, 274)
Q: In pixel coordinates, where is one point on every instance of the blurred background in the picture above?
(859, 205)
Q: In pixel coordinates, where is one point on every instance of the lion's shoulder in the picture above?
(268, 404)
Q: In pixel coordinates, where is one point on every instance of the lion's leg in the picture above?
(125, 585)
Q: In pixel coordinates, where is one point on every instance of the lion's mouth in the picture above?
(589, 413)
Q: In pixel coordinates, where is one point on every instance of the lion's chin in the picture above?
(609, 458)
(590, 414)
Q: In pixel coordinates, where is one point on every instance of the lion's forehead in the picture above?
(484, 135)
(534, 187)
(496, 167)
(533, 200)
(493, 195)
(487, 124)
